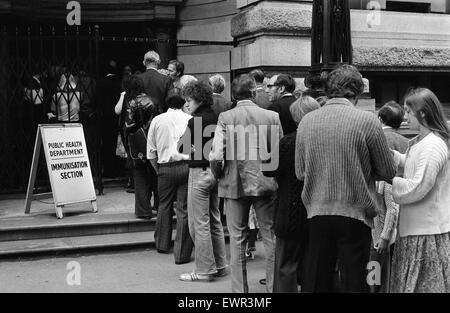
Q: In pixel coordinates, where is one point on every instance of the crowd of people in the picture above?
(329, 187)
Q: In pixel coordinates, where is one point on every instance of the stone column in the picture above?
(272, 35)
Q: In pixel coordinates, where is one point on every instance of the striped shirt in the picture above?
(340, 152)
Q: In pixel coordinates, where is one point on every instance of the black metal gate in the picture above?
(34, 59)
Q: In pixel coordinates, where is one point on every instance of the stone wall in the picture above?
(206, 20)
(277, 34)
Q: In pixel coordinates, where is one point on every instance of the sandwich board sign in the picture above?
(68, 166)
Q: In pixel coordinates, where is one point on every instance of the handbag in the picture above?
(120, 148)
(137, 143)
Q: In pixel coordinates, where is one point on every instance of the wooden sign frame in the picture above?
(34, 166)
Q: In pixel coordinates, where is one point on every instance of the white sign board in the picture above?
(68, 165)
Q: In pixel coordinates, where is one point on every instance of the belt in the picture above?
(172, 164)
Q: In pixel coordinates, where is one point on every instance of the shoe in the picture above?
(147, 217)
(196, 277)
(221, 272)
(262, 281)
(182, 262)
(162, 251)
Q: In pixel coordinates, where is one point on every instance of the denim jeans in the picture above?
(237, 213)
(205, 225)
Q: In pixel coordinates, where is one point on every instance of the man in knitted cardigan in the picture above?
(340, 152)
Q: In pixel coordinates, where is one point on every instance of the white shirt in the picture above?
(163, 135)
(424, 192)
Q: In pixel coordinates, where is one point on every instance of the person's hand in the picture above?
(382, 246)
(50, 115)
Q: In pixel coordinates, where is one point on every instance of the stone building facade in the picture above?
(396, 45)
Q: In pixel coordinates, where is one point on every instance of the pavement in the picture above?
(129, 271)
(114, 270)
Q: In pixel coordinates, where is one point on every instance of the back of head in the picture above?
(111, 67)
(391, 114)
(258, 75)
(199, 91)
(243, 87)
(344, 82)
(151, 57)
(126, 83)
(136, 86)
(175, 101)
(428, 110)
(287, 81)
(217, 83)
(301, 107)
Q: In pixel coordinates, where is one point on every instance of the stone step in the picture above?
(52, 246)
(47, 226)
(49, 246)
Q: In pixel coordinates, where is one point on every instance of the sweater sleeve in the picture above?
(381, 156)
(392, 210)
(428, 163)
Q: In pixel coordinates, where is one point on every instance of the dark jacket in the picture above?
(290, 213)
(108, 94)
(206, 117)
(220, 104)
(395, 140)
(156, 86)
(281, 106)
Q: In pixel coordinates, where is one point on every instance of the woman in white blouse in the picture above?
(421, 260)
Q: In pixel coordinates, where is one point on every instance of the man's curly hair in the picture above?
(199, 91)
(344, 82)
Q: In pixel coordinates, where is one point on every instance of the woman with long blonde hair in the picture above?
(421, 260)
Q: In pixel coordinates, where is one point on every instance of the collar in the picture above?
(174, 110)
(203, 109)
(216, 94)
(341, 101)
(260, 87)
(245, 103)
(287, 95)
(417, 139)
(110, 74)
(152, 68)
(387, 127)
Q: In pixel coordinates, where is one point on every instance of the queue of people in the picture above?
(331, 187)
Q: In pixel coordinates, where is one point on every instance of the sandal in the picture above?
(195, 277)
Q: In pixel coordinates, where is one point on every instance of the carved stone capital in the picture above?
(273, 18)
